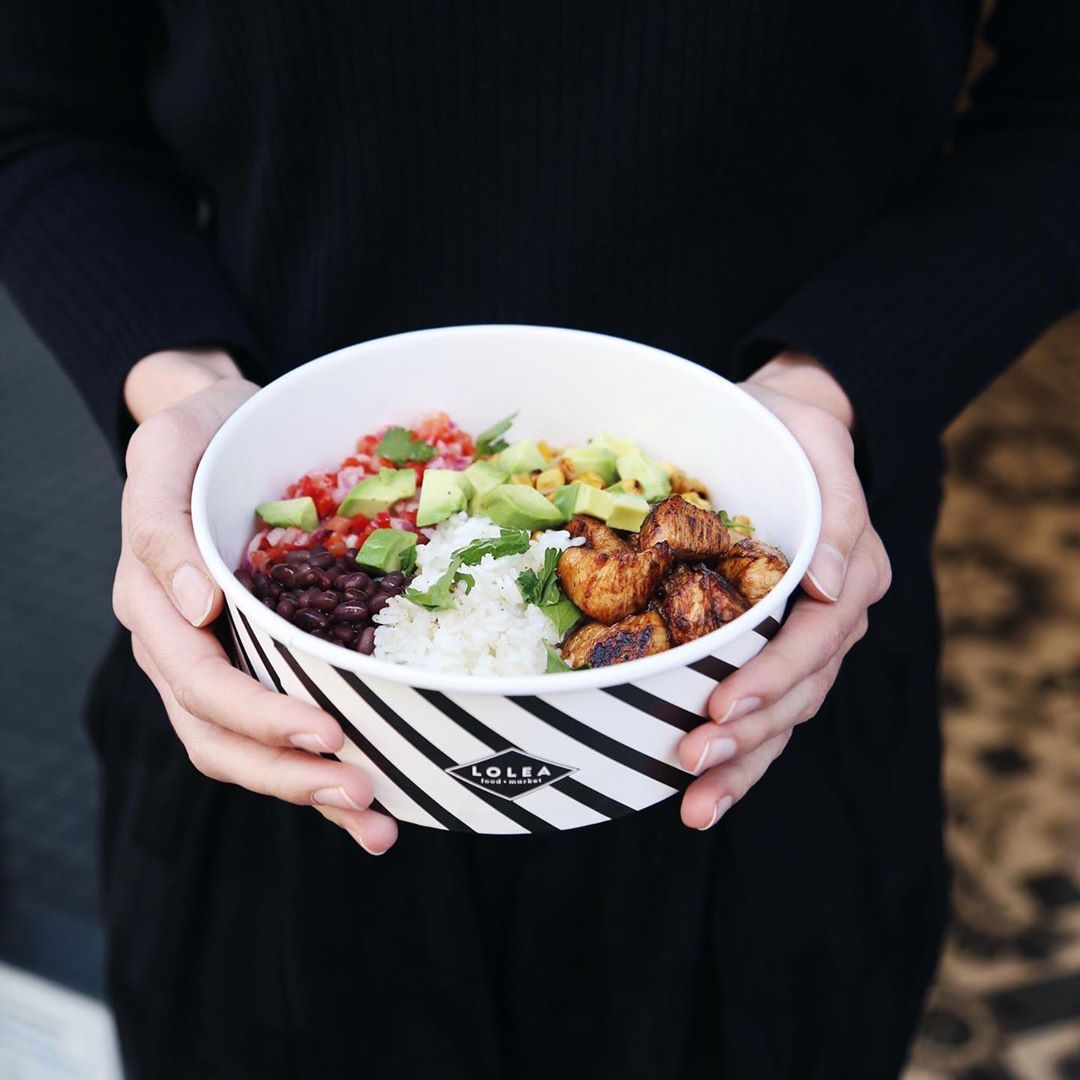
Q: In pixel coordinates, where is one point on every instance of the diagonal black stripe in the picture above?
(767, 628)
(259, 649)
(713, 667)
(668, 711)
(418, 795)
(587, 796)
(593, 799)
(518, 814)
(617, 751)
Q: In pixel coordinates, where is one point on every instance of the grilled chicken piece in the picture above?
(695, 601)
(609, 584)
(753, 567)
(597, 534)
(597, 645)
(690, 532)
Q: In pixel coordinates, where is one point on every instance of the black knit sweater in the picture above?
(286, 178)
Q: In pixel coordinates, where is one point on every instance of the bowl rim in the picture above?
(338, 656)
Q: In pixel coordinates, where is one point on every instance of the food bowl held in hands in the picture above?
(509, 754)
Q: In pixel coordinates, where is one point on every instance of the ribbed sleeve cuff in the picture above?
(928, 307)
(109, 267)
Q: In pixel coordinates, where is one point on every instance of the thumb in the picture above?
(162, 458)
(844, 516)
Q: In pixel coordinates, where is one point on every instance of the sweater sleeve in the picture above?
(99, 245)
(941, 295)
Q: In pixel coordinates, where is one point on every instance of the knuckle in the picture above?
(148, 536)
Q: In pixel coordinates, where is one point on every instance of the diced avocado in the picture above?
(515, 506)
(377, 493)
(617, 446)
(654, 481)
(583, 499)
(626, 487)
(484, 475)
(443, 492)
(290, 513)
(521, 457)
(597, 459)
(628, 512)
(383, 548)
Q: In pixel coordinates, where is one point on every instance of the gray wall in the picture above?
(59, 542)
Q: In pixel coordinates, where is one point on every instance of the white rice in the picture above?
(491, 630)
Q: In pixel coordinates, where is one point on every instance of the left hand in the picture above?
(754, 710)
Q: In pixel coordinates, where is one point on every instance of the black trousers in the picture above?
(795, 940)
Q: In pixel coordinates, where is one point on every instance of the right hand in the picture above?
(233, 729)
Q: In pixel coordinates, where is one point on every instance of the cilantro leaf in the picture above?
(490, 441)
(408, 559)
(508, 542)
(439, 596)
(730, 523)
(467, 580)
(554, 661)
(543, 588)
(563, 613)
(543, 591)
(400, 445)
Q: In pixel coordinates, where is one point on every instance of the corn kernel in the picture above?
(546, 449)
(694, 499)
(550, 480)
(593, 479)
(632, 486)
(667, 467)
(523, 478)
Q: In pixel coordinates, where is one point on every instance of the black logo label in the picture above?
(510, 773)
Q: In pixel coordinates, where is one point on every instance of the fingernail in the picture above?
(739, 708)
(334, 796)
(718, 811)
(828, 570)
(192, 592)
(716, 751)
(309, 741)
(360, 840)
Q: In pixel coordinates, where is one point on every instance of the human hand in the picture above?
(233, 729)
(754, 710)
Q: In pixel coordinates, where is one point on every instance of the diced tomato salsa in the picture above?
(454, 449)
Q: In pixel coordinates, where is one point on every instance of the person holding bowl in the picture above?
(197, 197)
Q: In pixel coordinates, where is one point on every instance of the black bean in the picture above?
(392, 590)
(378, 602)
(246, 579)
(286, 607)
(306, 575)
(322, 560)
(365, 641)
(310, 619)
(319, 579)
(275, 591)
(322, 635)
(262, 586)
(357, 580)
(354, 594)
(351, 611)
(294, 558)
(270, 602)
(393, 580)
(284, 574)
(325, 601)
(344, 633)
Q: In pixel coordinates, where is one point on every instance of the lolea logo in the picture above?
(510, 773)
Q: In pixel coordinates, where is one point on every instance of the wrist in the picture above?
(800, 375)
(163, 378)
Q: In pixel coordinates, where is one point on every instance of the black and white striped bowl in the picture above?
(513, 754)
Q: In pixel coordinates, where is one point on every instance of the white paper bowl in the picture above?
(521, 754)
